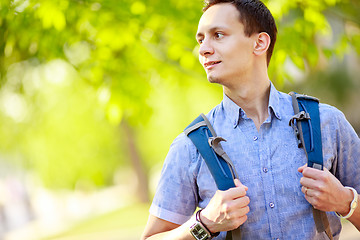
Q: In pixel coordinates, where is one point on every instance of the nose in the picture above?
(206, 48)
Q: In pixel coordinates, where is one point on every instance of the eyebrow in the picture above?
(211, 30)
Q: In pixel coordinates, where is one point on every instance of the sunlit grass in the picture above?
(131, 217)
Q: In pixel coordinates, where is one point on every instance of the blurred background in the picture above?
(92, 93)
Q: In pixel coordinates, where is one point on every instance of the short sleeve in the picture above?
(176, 196)
(345, 144)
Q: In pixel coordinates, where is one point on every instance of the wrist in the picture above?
(344, 208)
(199, 230)
(350, 204)
(206, 223)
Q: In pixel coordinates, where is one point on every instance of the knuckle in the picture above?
(322, 177)
(242, 192)
(320, 188)
(319, 194)
(327, 179)
(242, 220)
(220, 195)
(246, 200)
(317, 206)
(302, 180)
(315, 203)
(226, 207)
(243, 211)
(247, 210)
(235, 224)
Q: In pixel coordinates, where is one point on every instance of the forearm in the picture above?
(176, 234)
(226, 211)
(181, 232)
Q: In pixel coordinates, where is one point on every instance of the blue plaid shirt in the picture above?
(266, 161)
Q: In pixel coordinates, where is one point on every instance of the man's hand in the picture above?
(227, 209)
(324, 191)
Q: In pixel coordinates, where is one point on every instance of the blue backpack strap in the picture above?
(306, 125)
(307, 113)
(207, 143)
(203, 135)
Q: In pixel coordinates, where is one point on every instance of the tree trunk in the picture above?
(142, 188)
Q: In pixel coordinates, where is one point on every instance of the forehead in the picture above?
(220, 15)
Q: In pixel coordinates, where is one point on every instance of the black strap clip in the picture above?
(298, 117)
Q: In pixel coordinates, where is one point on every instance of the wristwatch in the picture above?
(353, 204)
(199, 230)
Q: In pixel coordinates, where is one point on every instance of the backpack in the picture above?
(306, 126)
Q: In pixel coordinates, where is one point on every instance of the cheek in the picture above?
(239, 56)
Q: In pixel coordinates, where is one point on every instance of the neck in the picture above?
(253, 97)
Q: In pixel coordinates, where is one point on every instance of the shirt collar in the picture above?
(274, 102)
(235, 113)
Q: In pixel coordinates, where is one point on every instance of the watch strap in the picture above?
(353, 204)
(197, 217)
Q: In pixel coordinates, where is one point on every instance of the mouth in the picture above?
(211, 64)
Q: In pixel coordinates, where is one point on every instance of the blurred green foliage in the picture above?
(73, 71)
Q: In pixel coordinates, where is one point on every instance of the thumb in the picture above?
(239, 184)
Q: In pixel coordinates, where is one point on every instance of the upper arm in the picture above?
(157, 225)
(341, 146)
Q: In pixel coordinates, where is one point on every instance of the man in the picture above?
(275, 192)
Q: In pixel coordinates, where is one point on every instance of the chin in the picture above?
(213, 79)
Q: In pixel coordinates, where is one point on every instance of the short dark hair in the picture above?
(255, 17)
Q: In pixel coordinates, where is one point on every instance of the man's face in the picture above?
(225, 52)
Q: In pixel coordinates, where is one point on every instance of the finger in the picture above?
(313, 173)
(235, 192)
(308, 182)
(239, 213)
(310, 193)
(239, 209)
(312, 199)
(307, 191)
(239, 184)
(301, 169)
(304, 189)
(239, 221)
(241, 202)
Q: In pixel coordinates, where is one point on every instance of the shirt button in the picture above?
(265, 170)
(255, 138)
(272, 205)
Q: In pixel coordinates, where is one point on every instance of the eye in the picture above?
(219, 35)
(200, 40)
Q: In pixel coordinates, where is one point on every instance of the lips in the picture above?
(211, 64)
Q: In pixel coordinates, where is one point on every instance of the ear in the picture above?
(262, 43)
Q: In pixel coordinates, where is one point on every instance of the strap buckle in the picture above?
(298, 117)
(214, 143)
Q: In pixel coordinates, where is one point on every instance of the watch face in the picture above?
(354, 205)
(198, 232)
